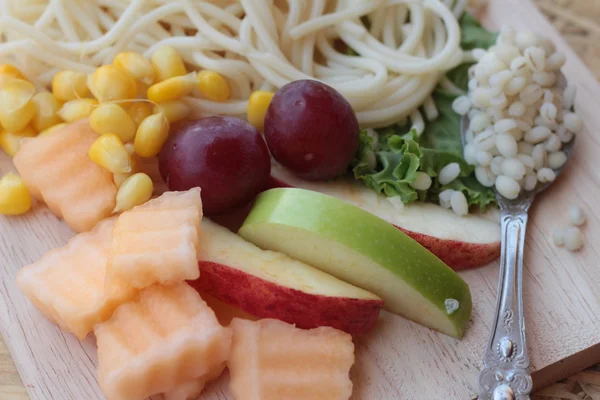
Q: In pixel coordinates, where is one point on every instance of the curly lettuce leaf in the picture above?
(389, 165)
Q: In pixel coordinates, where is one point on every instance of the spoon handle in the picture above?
(505, 374)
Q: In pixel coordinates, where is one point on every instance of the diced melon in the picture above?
(67, 284)
(158, 241)
(166, 337)
(57, 170)
(273, 360)
(192, 390)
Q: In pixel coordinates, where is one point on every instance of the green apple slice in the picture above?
(360, 248)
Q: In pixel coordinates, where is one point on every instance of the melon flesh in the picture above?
(58, 171)
(158, 241)
(67, 284)
(165, 338)
(192, 390)
(273, 360)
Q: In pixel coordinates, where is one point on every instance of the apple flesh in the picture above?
(272, 285)
(360, 248)
(461, 242)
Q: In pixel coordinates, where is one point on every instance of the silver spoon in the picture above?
(506, 365)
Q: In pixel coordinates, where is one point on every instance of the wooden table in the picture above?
(576, 19)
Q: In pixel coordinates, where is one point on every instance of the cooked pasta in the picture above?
(400, 48)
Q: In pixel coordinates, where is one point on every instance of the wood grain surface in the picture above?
(399, 360)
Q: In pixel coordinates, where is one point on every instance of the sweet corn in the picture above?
(257, 108)
(111, 118)
(213, 86)
(151, 135)
(137, 65)
(134, 191)
(16, 105)
(171, 88)
(52, 129)
(15, 198)
(167, 63)
(120, 177)
(110, 83)
(9, 69)
(46, 109)
(74, 110)
(139, 111)
(5, 78)
(70, 85)
(175, 110)
(108, 152)
(130, 149)
(10, 143)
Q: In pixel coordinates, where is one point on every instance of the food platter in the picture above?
(399, 359)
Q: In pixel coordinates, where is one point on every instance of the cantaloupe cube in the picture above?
(166, 337)
(192, 390)
(158, 241)
(273, 360)
(57, 170)
(67, 284)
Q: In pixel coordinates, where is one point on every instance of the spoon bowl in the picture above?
(506, 364)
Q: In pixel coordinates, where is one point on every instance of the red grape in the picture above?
(311, 129)
(225, 156)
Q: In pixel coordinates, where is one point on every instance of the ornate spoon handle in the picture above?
(505, 374)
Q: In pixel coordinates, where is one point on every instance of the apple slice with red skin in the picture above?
(461, 242)
(268, 284)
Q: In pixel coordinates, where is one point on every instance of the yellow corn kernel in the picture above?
(110, 83)
(74, 110)
(167, 63)
(10, 143)
(9, 69)
(134, 191)
(174, 111)
(52, 129)
(70, 85)
(111, 118)
(15, 198)
(120, 177)
(46, 109)
(137, 65)
(213, 86)
(257, 108)
(108, 152)
(16, 105)
(130, 149)
(171, 88)
(151, 135)
(139, 110)
(5, 78)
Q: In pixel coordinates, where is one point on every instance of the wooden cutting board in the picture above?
(399, 359)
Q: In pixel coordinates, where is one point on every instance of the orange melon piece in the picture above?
(273, 360)
(158, 241)
(67, 284)
(192, 390)
(166, 337)
(56, 169)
